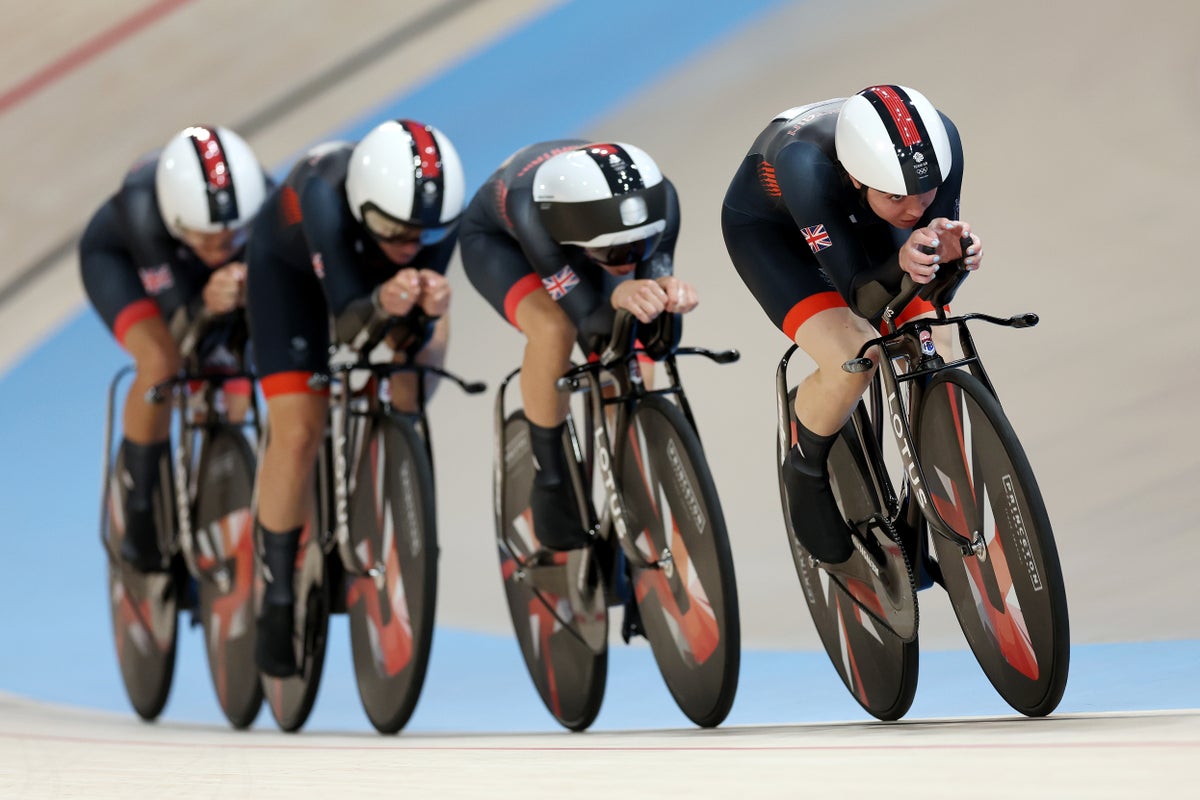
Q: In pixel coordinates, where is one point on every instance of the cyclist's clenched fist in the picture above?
(226, 289)
(645, 298)
(399, 293)
(435, 293)
(942, 237)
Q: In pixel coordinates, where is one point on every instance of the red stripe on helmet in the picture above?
(212, 157)
(909, 135)
(426, 146)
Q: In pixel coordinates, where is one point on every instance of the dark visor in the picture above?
(386, 228)
(629, 253)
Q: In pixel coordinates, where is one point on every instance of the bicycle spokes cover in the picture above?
(1008, 598)
(144, 608)
(968, 494)
(659, 496)
(382, 598)
(556, 600)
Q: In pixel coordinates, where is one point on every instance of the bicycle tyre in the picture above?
(224, 557)
(1011, 603)
(568, 673)
(688, 610)
(877, 667)
(291, 699)
(144, 606)
(393, 526)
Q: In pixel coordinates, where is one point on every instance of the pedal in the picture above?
(878, 577)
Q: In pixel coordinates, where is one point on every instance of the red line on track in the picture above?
(946, 746)
(106, 40)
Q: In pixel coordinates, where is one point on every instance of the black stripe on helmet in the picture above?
(218, 177)
(918, 160)
(616, 164)
(429, 174)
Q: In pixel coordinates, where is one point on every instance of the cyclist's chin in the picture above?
(620, 269)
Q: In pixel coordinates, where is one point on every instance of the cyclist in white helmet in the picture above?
(832, 198)
(357, 234)
(559, 237)
(166, 245)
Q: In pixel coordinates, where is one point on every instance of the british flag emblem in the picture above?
(561, 282)
(156, 280)
(817, 238)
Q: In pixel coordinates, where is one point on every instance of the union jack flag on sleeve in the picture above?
(561, 282)
(817, 238)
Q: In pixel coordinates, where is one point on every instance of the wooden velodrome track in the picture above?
(1080, 124)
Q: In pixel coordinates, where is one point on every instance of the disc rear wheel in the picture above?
(144, 606)
(557, 604)
(224, 559)
(878, 667)
(291, 699)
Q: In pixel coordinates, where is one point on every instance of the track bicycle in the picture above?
(205, 530)
(968, 514)
(369, 548)
(659, 546)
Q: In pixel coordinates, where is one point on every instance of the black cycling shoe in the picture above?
(139, 547)
(556, 518)
(274, 650)
(816, 520)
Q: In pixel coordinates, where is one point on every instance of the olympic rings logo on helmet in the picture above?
(405, 183)
(892, 139)
(608, 198)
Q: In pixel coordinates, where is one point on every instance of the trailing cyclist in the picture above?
(560, 236)
(358, 234)
(832, 199)
(167, 244)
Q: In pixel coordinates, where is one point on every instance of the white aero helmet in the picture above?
(208, 180)
(405, 182)
(608, 198)
(892, 139)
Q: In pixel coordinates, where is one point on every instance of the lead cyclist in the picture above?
(833, 197)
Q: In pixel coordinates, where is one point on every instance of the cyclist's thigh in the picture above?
(497, 268)
(769, 257)
(110, 279)
(289, 324)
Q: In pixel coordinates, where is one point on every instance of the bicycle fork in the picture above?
(927, 362)
(348, 422)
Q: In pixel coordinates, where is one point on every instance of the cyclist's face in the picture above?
(900, 210)
(214, 249)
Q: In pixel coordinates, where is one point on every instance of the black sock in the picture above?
(141, 463)
(279, 556)
(810, 454)
(816, 520)
(549, 463)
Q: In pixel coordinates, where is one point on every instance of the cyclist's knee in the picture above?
(846, 386)
(158, 363)
(296, 432)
